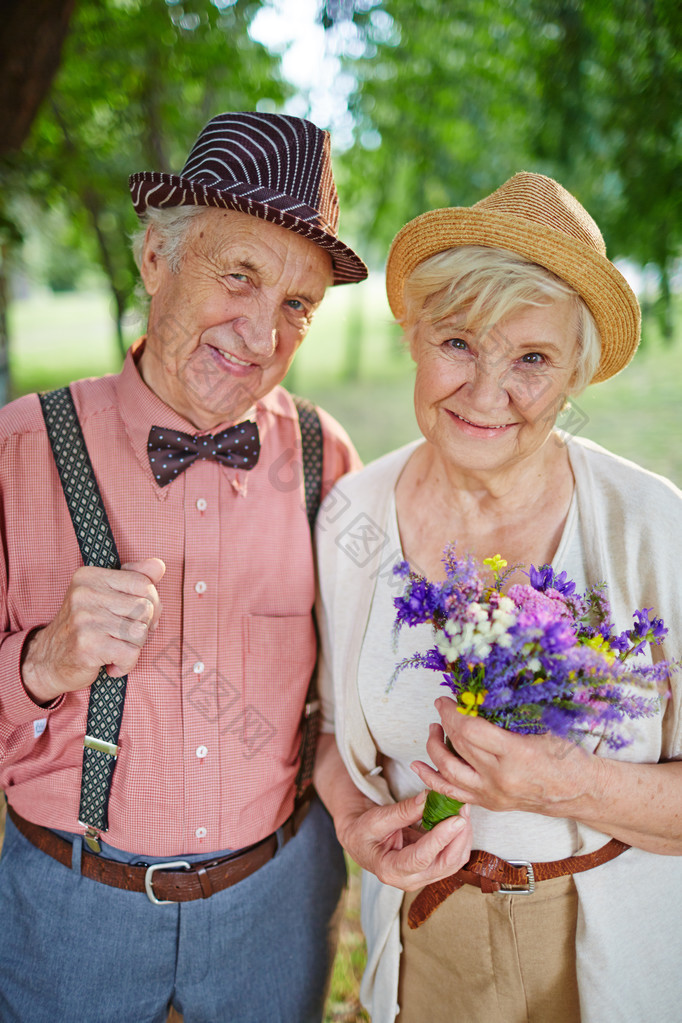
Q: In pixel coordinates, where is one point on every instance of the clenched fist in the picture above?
(105, 619)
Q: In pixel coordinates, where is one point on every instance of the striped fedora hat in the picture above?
(273, 166)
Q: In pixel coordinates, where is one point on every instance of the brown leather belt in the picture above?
(492, 874)
(161, 882)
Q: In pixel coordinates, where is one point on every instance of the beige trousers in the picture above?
(493, 958)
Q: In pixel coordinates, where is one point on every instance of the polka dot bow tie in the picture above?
(171, 452)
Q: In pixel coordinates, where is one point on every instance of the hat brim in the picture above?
(603, 288)
(165, 191)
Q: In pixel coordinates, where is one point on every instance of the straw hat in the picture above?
(537, 218)
(272, 166)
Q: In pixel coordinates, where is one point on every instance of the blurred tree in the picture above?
(30, 49)
(138, 81)
(440, 106)
(610, 83)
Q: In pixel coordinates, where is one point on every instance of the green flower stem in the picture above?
(437, 808)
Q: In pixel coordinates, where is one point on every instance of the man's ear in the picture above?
(153, 263)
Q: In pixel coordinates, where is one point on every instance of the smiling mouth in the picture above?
(232, 359)
(482, 426)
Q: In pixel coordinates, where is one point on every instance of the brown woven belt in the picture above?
(163, 882)
(492, 874)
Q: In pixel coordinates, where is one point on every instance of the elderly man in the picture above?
(158, 642)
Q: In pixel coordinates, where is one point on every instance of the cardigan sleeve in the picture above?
(631, 522)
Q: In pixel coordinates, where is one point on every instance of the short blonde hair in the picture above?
(490, 284)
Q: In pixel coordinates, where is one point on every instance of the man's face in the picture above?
(224, 329)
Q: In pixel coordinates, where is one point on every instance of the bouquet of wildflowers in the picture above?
(539, 658)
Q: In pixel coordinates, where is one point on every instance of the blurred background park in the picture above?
(430, 103)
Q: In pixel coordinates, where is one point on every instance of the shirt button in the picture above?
(201, 752)
(201, 832)
(200, 587)
(202, 504)
(198, 667)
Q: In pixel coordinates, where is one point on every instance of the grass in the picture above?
(343, 1005)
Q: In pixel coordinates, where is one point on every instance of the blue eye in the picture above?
(294, 303)
(457, 343)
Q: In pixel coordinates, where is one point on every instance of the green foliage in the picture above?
(446, 96)
(139, 79)
(610, 89)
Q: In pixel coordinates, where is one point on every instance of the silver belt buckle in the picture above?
(149, 879)
(519, 889)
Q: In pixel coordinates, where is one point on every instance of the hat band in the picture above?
(279, 201)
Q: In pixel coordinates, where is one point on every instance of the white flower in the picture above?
(477, 613)
(481, 647)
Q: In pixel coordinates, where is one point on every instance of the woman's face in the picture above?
(488, 398)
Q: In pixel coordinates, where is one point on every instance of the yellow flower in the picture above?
(495, 564)
(602, 647)
(470, 702)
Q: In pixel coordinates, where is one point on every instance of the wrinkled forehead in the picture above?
(229, 234)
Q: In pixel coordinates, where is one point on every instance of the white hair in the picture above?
(490, 284)
(172, 227)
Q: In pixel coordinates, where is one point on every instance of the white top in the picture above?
(628, 948)
(398, 716)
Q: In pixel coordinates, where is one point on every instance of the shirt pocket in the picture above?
(279, 658)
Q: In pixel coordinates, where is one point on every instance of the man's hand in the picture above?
(383, 841)
(105, 619)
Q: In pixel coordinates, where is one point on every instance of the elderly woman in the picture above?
(509, 307)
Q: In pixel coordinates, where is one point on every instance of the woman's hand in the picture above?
(384, 840)
(640, 804)
(500, 770)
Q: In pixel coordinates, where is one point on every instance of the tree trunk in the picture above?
(30, 50)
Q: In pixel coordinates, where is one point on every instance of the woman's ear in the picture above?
(152, 263)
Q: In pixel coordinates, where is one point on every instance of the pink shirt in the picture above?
(211, 725)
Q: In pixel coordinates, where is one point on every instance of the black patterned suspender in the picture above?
(98, 548)
(311, 453)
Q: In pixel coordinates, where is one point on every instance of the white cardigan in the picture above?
(628, 946)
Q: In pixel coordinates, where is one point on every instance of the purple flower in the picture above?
(619, 643)
(544, 579)
(538, 606)
(419, 603)
(646, 629)
(558, 637)
(598, 607)
(542, 658)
